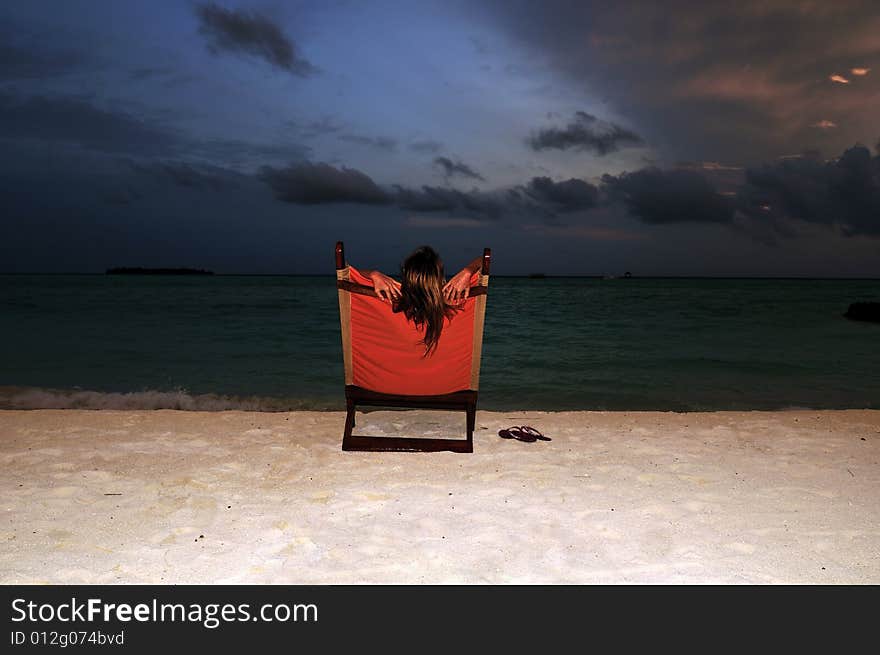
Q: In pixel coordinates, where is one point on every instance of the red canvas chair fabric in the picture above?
(387, 355)
(385, 365)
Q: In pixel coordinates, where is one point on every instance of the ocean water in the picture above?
(273, 343)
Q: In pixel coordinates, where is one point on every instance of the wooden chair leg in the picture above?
(350, 441)
(349, 419)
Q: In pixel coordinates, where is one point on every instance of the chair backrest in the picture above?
(382, 350)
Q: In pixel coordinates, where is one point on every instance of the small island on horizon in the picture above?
(137, 270)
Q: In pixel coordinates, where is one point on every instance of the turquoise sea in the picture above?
(272, 343)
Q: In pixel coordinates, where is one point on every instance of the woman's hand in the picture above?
(456, 290)
(387, 288)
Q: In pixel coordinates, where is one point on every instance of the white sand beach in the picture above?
(165, 496)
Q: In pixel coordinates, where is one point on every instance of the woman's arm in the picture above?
(387, 288)
(456, 289)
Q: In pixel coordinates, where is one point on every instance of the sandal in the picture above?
(529, 430)
(515, 433)
(522, 433)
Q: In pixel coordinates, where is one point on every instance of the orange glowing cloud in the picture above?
(840, 79)
(825, 124)
(739, 85)
(860, 71)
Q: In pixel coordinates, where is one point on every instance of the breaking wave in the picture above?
(12, 397)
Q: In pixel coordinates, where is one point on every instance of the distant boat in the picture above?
(129, 270)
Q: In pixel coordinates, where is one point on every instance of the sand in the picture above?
(164, 496)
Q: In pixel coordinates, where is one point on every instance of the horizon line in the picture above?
(537, 276)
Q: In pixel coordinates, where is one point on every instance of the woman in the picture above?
(424, 295)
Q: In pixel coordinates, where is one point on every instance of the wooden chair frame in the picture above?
(464, 400)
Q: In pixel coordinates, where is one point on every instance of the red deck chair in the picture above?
(384, 366)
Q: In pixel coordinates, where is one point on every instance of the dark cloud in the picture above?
(457, 168)
(45, 120)
(147, 73)
(315, 128)
(844, 192)
(428, 199)
(187, 175)
(321, 183)
(566, 196)
(434, 199)
(318, 183)
(541, 197)
(77, 122)
(585, 132)
(426, 146)
(237, 153)
(379, 143)
(768, 200)
(675, 196)
(740, 81)
(240, 31)
(20, 63)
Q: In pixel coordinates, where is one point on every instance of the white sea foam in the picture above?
(14, 397)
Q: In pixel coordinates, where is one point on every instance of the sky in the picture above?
(571, 137)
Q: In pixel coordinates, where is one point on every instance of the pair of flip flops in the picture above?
(522, 433)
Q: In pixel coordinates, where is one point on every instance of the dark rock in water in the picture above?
(864, 311)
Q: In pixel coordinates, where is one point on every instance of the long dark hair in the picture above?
(421, 295)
